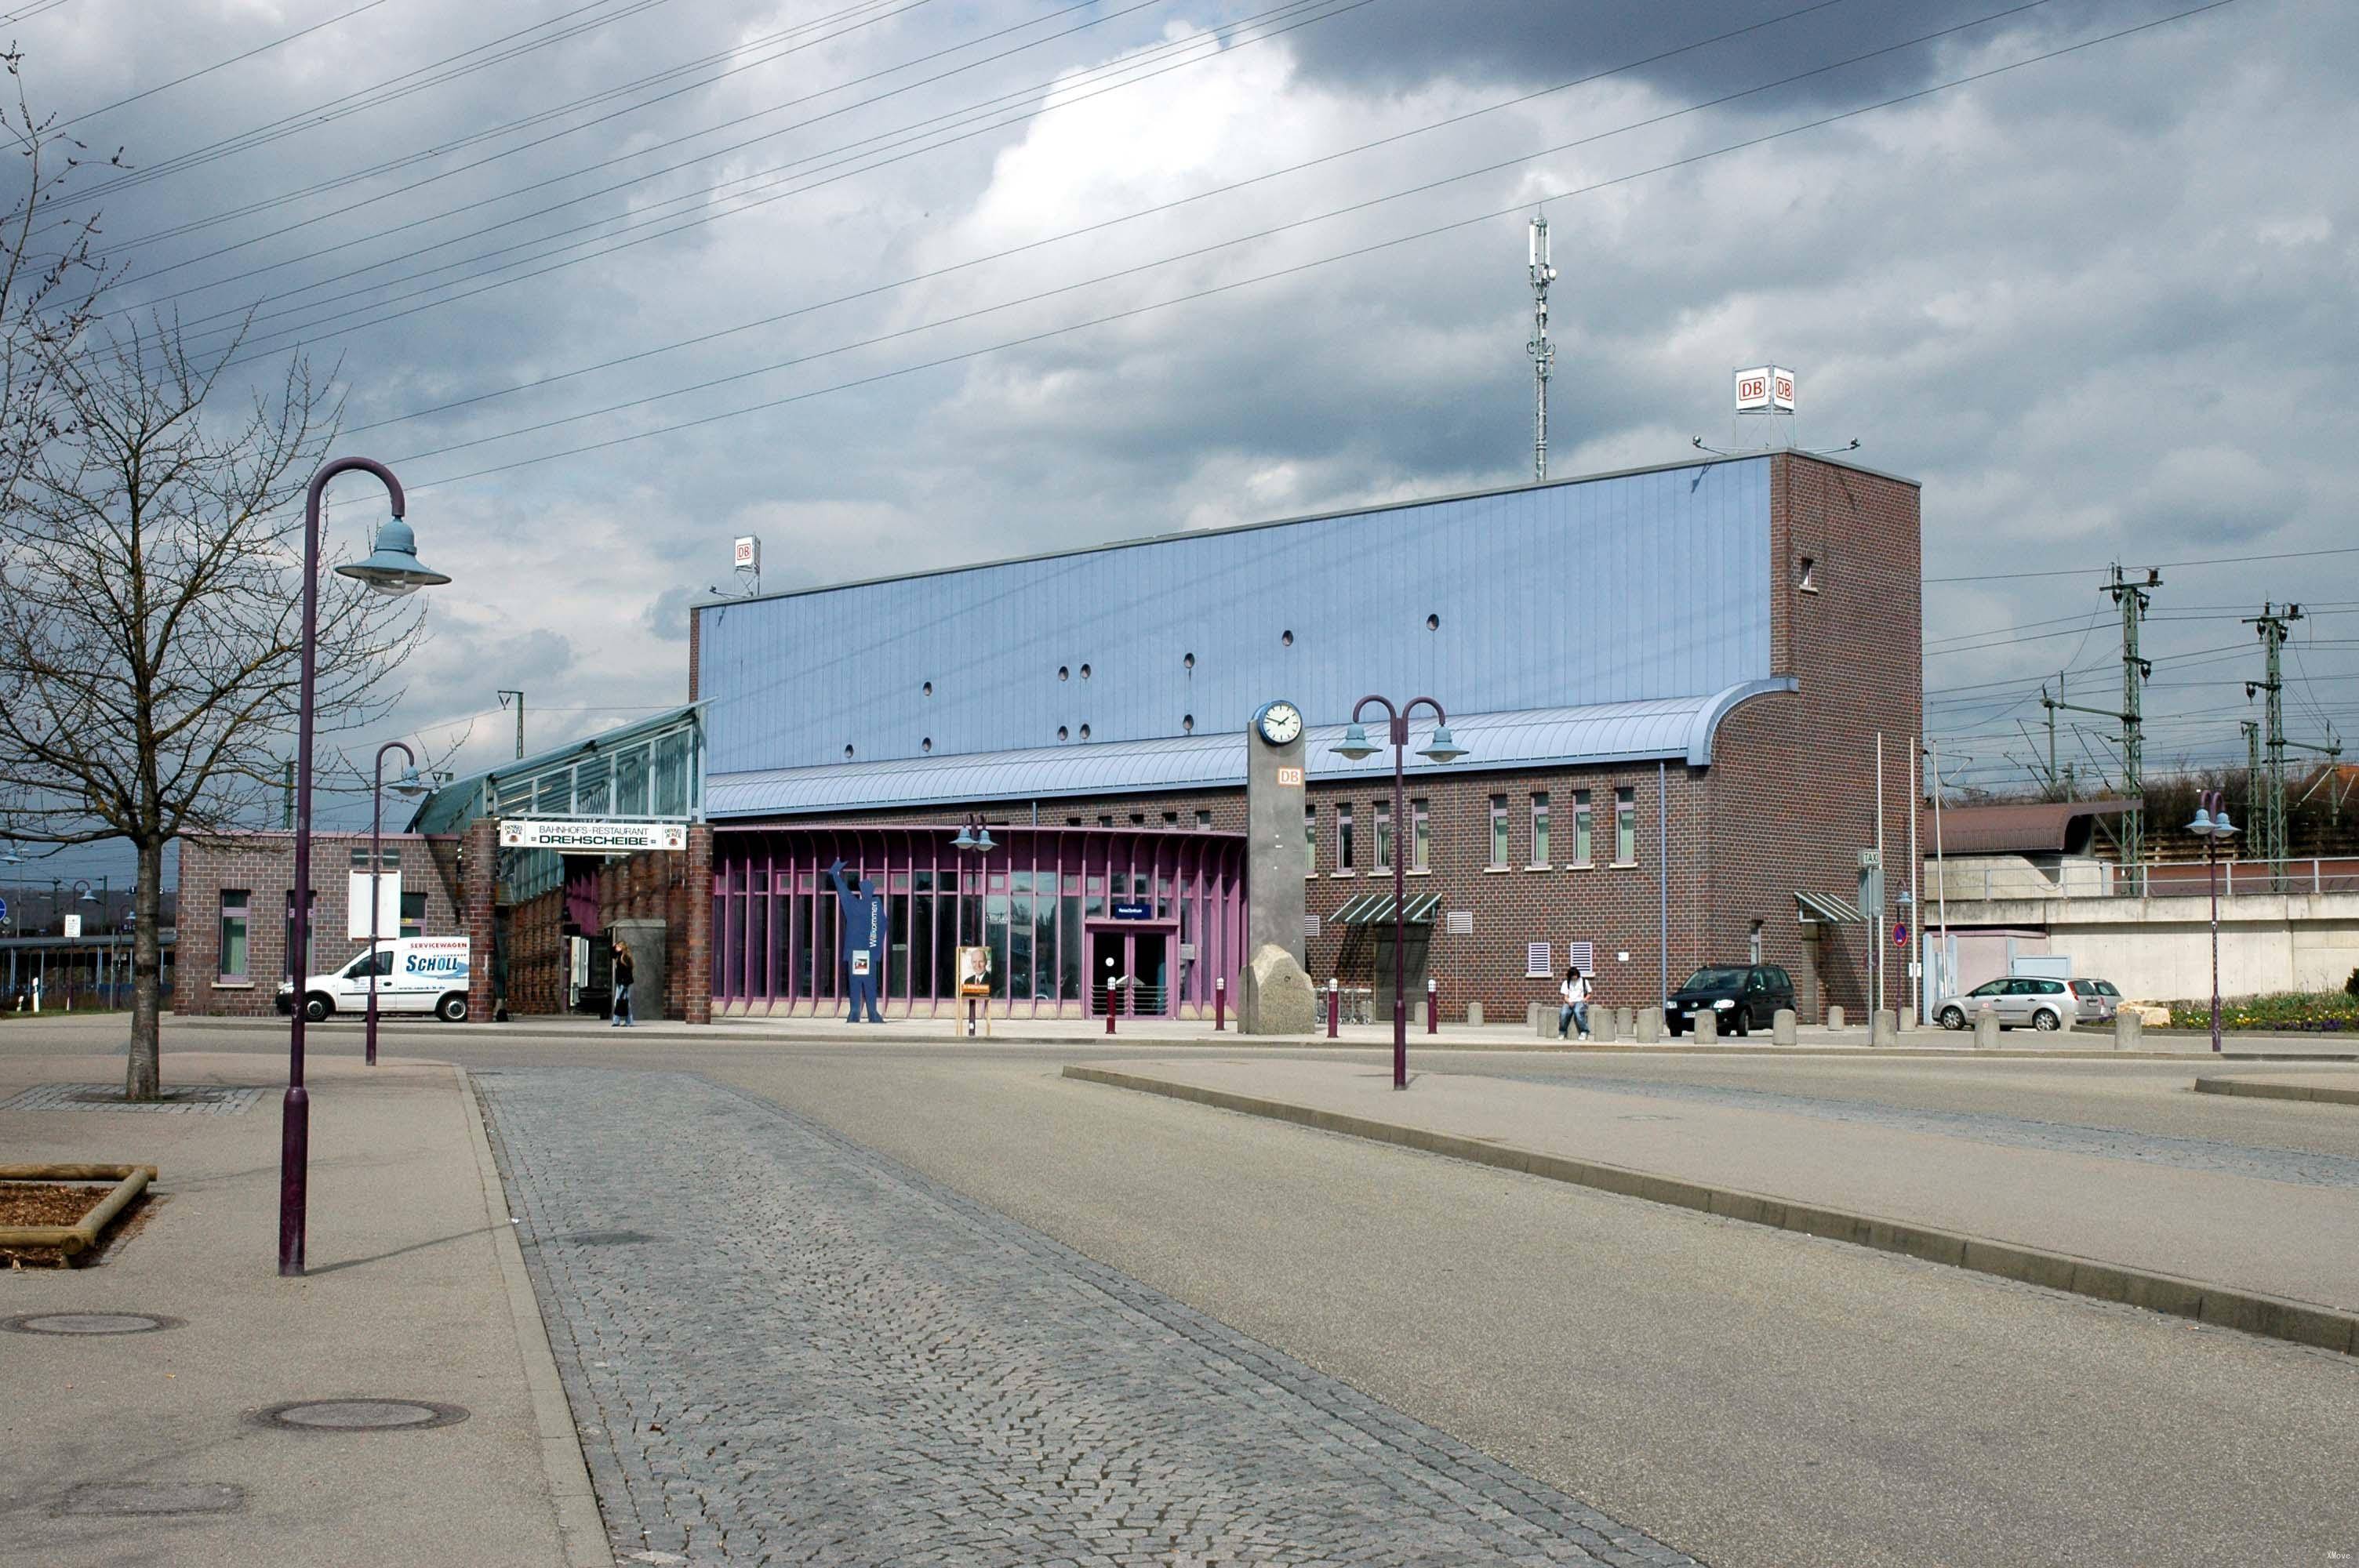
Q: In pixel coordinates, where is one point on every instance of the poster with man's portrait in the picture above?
(974, 971)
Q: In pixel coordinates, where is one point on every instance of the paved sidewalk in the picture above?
(406, 1300)
(2216, 1214)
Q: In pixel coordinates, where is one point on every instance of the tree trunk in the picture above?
(142, 1076)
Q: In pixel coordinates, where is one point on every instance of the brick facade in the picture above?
(262, 866)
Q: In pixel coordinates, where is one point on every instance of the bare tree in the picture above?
(151, 616)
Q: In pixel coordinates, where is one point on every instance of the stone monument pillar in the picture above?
(1274, 992)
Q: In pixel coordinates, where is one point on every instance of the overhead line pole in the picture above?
(2274, 626)
(2132, 600)
(1543, 351)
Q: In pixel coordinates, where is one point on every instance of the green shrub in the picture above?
(2328, 1011)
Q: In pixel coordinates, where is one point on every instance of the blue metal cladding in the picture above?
(1672, 728)
(1622, 589)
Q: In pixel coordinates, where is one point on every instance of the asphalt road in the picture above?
(1748, 1396)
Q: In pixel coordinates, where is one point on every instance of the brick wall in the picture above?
(263, 866)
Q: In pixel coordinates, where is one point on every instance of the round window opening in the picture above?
(1187, 724)
(1061, 733)
(1085, 731)
(1433, 623)
(930, 688)
(847, 751)
(1062, 673)
(1286, 639)
(1189, 662)
(927, 744)
(1085, 672)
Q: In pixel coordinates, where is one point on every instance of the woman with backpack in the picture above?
(1575, 992)
(623, 973)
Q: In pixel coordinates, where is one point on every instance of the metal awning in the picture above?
(1825, 909)
(1376, 909)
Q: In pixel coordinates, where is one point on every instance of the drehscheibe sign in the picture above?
(584, 838)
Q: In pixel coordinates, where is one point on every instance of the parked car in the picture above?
(2099, 1001)
(414, 974)
(2017, 999)
(1742, 997)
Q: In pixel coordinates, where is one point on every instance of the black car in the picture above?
(1743, 997)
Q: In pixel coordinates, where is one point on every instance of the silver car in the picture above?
(2023, 999)
(2099, 1001)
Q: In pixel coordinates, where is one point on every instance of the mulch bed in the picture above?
(43, 1203)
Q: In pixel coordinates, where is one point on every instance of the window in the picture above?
(1170, 819)
(1807, 580)
(235, 904)
(1539, 830)
(1384, 816)
(1204, 821)
(1343, 841)
(1310, 840)
(1625, 826)
(1580, 827)
(1536, 961)
(1499, 831)
(1420, 841)
(413, 913)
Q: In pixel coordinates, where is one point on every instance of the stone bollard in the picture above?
(1601, 1025)
(1781, 1027)
(1707, 1027)
(1907, 1018)
(1533, 1011)
(1625, 1021)
(1474, 1013)
(1986, 1029)
(2129, 1030)
(1544, 1020)
(1834, 1015)
(1650, 1026)
(1883, 1028)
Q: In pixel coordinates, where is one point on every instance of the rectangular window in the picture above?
(1499, 830)
(1582, 823)
(1204, 822)
(1310, 840)
(1420, 841)
(413, 913)
(631, 782)
(235, 904)
(1343, 839)
(670, 784)
(1384, 814)
(1539, 827)
(1536, 961)
(1170, 819)
(1625, 826)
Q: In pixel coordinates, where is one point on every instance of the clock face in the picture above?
(1281, 723)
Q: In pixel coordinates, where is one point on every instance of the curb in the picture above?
(2261, 1089)
(2273, 1317)
(580, 1528)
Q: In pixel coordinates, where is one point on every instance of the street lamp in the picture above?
(392, 568)
(2211, 825)
(974, 838)
(408, 786)
(1442, 748)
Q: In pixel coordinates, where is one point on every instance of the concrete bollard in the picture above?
(1650, 1026)
(1781, 1027)
(1707, 1027)
(1835, 1016)
(1883, 1028)
(1625, 1021)
(1601, 1025)
(1986, 1029)
(1907, 1018)
(1532, 1010)
(1474, 1012)
(1544, 1020)
(2129, 1030)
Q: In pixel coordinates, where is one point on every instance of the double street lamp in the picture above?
(1442, 748)
(2211, 825)
(393, 567)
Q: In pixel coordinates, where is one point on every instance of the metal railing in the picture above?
(2177, 879)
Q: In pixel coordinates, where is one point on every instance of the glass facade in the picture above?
(1042, 900)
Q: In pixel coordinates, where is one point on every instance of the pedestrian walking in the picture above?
(1575, 992)
(623, 975)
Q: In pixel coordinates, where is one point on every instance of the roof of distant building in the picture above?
(2026, 827)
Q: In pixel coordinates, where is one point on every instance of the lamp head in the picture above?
(2201, 826)
(2221, 826)
(410, 784)
(1443, 748)
(965, 839)
(1355, 744)
(394, 568)
(983, 841)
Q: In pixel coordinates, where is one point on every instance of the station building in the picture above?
(1672, 683)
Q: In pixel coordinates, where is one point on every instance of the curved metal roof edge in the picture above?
(1706, 723)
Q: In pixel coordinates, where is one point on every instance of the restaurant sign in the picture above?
(588, 838)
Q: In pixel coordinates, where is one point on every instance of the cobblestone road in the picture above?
(782, 1346)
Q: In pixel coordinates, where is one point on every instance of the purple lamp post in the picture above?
(408, 784)
(393, 567)
(1441, 748)
(2211, 825)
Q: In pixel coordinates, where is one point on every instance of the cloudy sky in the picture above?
(905, 283)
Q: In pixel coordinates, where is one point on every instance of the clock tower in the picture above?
(1273, 994)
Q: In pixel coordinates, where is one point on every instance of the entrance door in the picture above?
(1151, 979)
(1109, 960)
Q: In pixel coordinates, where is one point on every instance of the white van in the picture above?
(414, 974)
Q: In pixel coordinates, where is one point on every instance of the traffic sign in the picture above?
(1901, 935)
(4, 909)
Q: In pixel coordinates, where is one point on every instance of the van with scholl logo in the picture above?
(414, 974)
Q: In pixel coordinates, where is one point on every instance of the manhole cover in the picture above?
(146, 1497)
(89, 1323)
(360, 1415)
(606, 1238)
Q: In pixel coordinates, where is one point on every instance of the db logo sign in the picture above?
(1290, 778)
(1755, 389)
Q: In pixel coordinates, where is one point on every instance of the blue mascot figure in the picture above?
(859, 939)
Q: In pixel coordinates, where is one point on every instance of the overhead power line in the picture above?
(217, 65)
(1518, 210)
